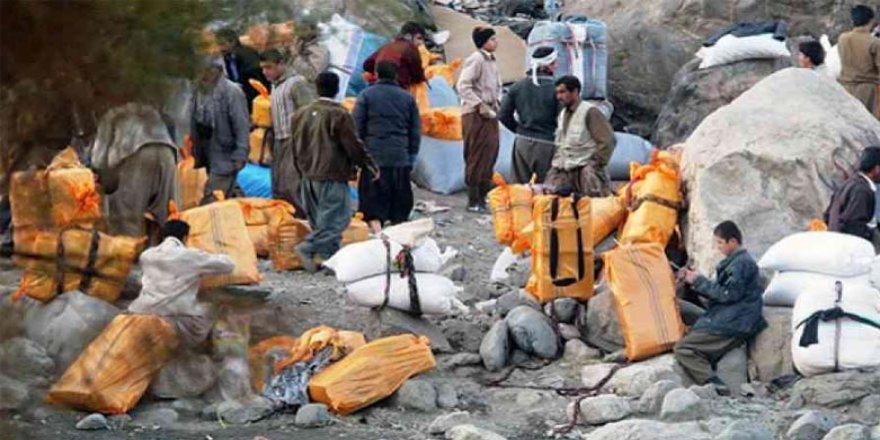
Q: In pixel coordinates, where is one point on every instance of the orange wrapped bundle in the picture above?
(427, 56)
(447, 71)
(257, 217)
(420, 93)
(285, 232)
(817, 225)
(260, 146)
(114, 371)
(261, 113)
(511, 207)
(262, 355)
(371, 373)
(349, 103)
(357, 230)
(75, 259)
(562, 249)
(443, 123)
(643, 286)
(654, 197)
(608, 214)
(192, 181)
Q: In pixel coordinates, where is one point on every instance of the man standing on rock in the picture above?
(734, 312)
(533, 101)
(852, 206)
(860, 59)
(479, 87)
(584, 143)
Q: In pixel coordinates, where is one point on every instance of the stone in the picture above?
(487, 306)
(601, 409)
(161, 417)
(851, 431)
(592, 375)
(209, 413)
(186, 375)
(463, 335)
(706, 392)
(837, 389)
(312, 415)
(243, 412)
(460, 360)
(566, 309)
(416, 394)
(443, 423)
(813, 425)
(13, 394)
(532, 331)
(495, 348)
(875, 433)
(635, 379)
(755, 389)
(749, 148)
(650, 429)
(457, 273)
(471, 432)
(733, 368)
(120, 421)
(869, 409)
(681, 405)
(393, 322)
(67, 324)
(528, 398)
(770, 350)
(447, 396)
(568, 332)
(603, 327)
(187, 406)
(652, 400)
(511, 300)
(745, 430)
(25, 360)
(576, 352)
(93, 422)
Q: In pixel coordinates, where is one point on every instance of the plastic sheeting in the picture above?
(630, 148)
(582, 47)
(255, 181)
(349, 45)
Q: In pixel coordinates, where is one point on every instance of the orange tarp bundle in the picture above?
(643, 286)
(257, 214)
(420, 93)
(260, 147)
(562, 249)
(192, 181)
(75, 259)
(654, 197)
(219, 228)
(264, 35)
(114, 371)
(357, 230)
(817, 225)
(285, 233)
(349, 103)
(608, 214)
(447, 71)
(371, 373)
(442, 123)
(427, 56)
(511, 207)
(261, 113)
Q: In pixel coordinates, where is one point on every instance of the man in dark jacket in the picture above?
(534, 102)
(327, 153)
(403, 51)
(388, 121)
(851, 210)
(733, 314)
(242, 63)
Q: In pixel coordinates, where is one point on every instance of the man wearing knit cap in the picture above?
(479, 87)
(533, 102)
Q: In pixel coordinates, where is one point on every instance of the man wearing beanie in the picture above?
(860, 59)
(479, 87)
(533, 101)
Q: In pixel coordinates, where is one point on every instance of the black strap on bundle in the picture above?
(387, 271)
(810, 335)
(268, 142)
(59, 264)
(408, 269)
(554, 243)
(89, 272)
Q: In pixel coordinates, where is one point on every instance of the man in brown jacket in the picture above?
(860, 59)
(480, 90)
(327, 153)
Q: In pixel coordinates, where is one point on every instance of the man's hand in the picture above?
(689, 276)
(238, 164)
(376, 175)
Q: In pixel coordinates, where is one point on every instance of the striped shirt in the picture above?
(289, 93)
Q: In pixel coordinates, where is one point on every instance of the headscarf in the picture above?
(541, 57)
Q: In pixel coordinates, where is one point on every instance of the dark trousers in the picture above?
(699, 351)
(225, 184)
(390, 199)
(329, 210)
(589, 180)
(532, 157)
(481, 137)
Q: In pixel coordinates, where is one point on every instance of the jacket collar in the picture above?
(389, 82)
(487, 55)
(287, 74)
(173, 241)
(734, 256)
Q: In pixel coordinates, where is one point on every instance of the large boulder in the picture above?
(767, 160)
(603, 326)
(770, 351)
(837, 389)
(650, 41)
(696, 93)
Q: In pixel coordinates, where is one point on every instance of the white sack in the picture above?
(874, 275)
(410, 233)
(785, 287)
(859, 343)
(369, 258)
(832, 58)
(829, 253)
(730, 49)
(437, 294)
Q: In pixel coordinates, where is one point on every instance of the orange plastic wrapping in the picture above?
(643, 286)
(427, 56)
(357, 230)
(608, 214)
(570, 280)
(371, 373)
(511, 207)
(113, 372)
(654, 196)
(219, 228)
(285, 232)
(261, 112)
(420, 93)
(95, 263)
(192, 181)
(442, 123)
(260, 147)
(817, 225)
(447, 71)
(349, 103)
(257, 215)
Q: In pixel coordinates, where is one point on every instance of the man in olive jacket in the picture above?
(733, 314)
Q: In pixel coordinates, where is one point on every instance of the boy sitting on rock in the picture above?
(733, 314)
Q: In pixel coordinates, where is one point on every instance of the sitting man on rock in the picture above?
(852, 206)
(733, 314)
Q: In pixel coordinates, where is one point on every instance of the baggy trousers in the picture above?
(481, 137)
(329, 210)
(699, 351)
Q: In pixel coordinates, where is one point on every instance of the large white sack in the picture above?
(829, 253)
(730, 49)
(437, 294)
(859, 343)
(874, 275)
(832, 58)
(785, 287)
(410, 233)
(369, 258)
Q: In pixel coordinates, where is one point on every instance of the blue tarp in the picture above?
(255, 181)
(441, 94)
(371, 43)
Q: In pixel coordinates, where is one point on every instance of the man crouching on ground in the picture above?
(734, 309)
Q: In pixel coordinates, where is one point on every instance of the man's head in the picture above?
(728, 238)
(413, 32)
(227, 39)
(544, 60)
(386, 70)
(211, 71)
(862, 15)
(272, 64)
(811, 54)
(175, 228)
(568, 90)
(869, 163)
(327, 84)
(484, 38)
